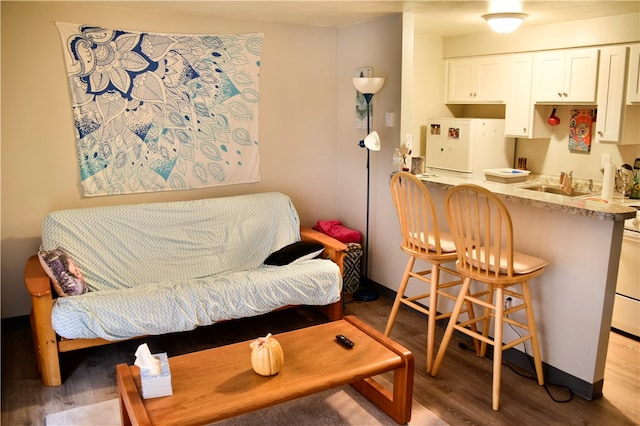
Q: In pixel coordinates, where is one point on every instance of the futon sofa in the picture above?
(107, 274)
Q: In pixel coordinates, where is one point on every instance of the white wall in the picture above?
(298, 122)
(377, 44)
(551, 156)
(428, 87)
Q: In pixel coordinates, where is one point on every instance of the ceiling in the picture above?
(437, 18)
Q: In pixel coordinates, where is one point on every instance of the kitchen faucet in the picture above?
(566, 182)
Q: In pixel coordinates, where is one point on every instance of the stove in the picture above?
(626, 308)
(634, 223)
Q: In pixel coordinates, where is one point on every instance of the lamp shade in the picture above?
(504, 22)
(372, 141)
(368, 84)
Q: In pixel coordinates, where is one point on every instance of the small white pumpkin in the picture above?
(266, 355)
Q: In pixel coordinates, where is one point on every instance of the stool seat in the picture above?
(522, 263)
(428, 242)
(482, 231)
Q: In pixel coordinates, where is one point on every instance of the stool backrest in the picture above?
(417, 215)
(482, 231)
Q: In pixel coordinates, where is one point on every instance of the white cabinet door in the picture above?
(519, 106)
(611, 80)
(460, 80)
(475, 80)
(633, 81)
(580, 75)
(549, 77)
(490, 79)
(566, 76)
(522, 119)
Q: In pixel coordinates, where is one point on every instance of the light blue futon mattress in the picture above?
(167, 267)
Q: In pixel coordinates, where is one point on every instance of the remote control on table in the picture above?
(344, 341)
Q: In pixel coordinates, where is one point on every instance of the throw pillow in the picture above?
(335, 229)
(296, 252)
(67, 278)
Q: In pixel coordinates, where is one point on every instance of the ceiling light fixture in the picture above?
(504, 22)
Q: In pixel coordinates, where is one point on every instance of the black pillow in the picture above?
(302, 250)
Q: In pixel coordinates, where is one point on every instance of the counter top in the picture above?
(585, 205)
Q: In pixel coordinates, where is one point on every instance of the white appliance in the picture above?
(466, 146)
(626, 308)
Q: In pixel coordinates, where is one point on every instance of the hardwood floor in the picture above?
(461, 394)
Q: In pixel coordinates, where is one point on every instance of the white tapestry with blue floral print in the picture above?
(160, 112)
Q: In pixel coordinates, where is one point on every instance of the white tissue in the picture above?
(145, 360)
(608, 181)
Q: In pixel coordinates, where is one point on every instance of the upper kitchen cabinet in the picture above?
(522, 118)
(633, 81)
(475, 80)
(565, 76)
(611, 93)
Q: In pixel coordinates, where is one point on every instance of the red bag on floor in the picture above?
(334, 228)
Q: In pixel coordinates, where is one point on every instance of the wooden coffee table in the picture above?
(219, 383)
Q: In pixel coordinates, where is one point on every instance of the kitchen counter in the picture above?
(584, 205)
(573, 299)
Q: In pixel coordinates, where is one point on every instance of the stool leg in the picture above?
(486, 322)
(537, 359)
(399, 296)
(497, 348)
(474, 326)
(466, 283)
(433, 312)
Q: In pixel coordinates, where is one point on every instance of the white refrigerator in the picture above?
(467, 146)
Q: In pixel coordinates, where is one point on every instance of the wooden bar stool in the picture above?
(422, 239)
(483, 235)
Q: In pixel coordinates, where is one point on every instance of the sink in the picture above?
(552, 189)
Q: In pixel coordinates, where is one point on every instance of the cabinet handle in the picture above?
(600, 133)
(565, 94)
(559, 94)
(524, 130)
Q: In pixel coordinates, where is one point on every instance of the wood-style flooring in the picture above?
(461, 394)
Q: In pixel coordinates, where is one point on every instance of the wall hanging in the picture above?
(580, 129)
(159, 112)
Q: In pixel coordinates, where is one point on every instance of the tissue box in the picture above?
(160, 385)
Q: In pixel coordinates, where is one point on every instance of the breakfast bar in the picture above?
(581, 238)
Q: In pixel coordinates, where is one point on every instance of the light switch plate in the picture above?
(364, 72)
(389, 119)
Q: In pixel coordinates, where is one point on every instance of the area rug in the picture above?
(340, 406)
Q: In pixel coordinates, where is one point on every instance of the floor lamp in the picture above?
(368, 87)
